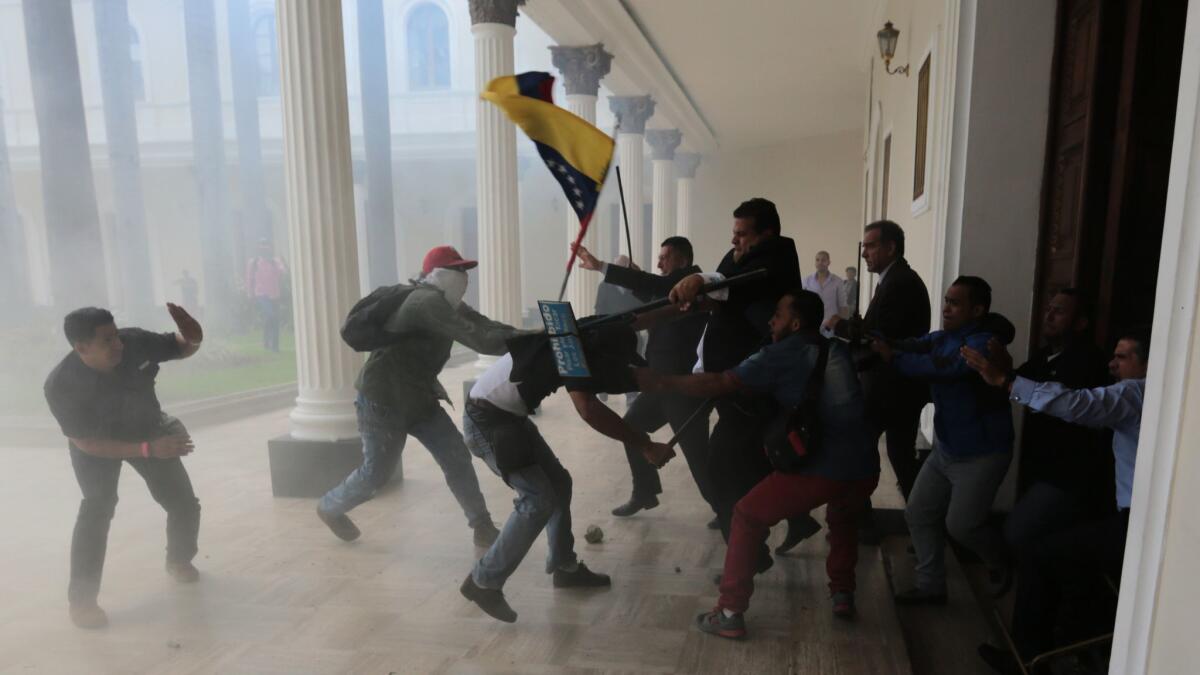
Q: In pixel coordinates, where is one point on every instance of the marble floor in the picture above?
(279, 594)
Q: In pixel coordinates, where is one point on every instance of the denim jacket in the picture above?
(971, 419)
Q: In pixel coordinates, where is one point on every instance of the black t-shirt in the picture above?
(118, 406)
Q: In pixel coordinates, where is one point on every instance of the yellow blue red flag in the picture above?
(576, 152)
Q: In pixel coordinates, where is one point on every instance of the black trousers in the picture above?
(169, 485)
(649, 412)
(1051, 564)
(736, 461)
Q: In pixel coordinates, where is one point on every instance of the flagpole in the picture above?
(624, 214)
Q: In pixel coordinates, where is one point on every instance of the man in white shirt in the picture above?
(497, 429)
(825, 284)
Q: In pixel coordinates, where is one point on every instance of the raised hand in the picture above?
(189, 328)
(586, 260)
(991, 373)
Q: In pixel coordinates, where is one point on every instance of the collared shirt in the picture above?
(885, 271)
(1117, 407)
(828, 291)
(120, 405)
(970, 418)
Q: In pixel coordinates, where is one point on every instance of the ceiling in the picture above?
(764, 71)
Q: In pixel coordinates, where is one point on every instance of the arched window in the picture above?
(266, 49)
(137, 77)
(428, 45)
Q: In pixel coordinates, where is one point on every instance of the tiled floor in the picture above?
(279, 594)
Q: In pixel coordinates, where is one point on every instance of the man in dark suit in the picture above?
(1066, 476)
(737, 327)
(898, 310)
(671, 350)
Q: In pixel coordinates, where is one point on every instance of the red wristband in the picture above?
(146, 450)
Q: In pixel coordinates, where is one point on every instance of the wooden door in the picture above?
(1076, 152)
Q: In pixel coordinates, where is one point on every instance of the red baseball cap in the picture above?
(445, 256)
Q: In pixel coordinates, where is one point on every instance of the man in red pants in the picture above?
(841, 470)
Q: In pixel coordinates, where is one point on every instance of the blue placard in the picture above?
(564, 339)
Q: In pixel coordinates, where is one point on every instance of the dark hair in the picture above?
(1141, 336)
(81, 325)
(1083, 306)
(808, 306)
(761, 212)
(889, 231)
(680, 245)
(978, 290)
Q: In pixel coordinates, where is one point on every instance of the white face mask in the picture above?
(452, 283)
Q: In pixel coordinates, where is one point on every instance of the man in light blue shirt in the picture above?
(1098, 545)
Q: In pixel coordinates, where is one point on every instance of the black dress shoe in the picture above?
(916, 596)
(342, 526)
(634, 505)
(799, 529)
(489, 600)
(582, 577)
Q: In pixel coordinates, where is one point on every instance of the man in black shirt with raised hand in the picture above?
(102, 395)
(671, 350)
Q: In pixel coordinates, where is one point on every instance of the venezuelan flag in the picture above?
(577, 153)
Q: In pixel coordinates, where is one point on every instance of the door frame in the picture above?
(1167, 381)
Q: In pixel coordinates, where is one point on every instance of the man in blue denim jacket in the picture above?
(957, 484)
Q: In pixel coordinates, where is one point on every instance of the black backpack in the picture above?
(364, 328)
(794, 435)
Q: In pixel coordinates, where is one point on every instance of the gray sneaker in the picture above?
(716, 623)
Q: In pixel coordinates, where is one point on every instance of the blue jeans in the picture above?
(383, 434)
(269, 309)
(543, 500)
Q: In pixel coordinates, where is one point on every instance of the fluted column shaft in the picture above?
(632, 113)
(663, 143)
(320, 199)
(582, 286)
(496, 181)
(630, 157)
(685, 170)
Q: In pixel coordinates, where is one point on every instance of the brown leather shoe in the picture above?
(88, 616)
(183, 572)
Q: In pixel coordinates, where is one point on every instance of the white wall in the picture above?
(815, 182)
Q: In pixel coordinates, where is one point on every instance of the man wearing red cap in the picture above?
(399, 394)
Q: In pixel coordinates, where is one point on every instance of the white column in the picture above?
(493, 25)
(582, 69)
(685, 173)
(632, 113)
(663, 143)
(320, 200)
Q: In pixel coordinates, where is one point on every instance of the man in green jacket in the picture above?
(399, 395)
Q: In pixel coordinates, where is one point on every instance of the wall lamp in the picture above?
(887, 48)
